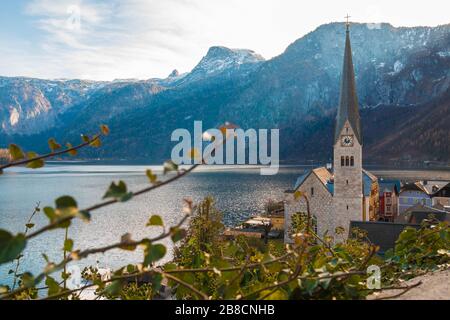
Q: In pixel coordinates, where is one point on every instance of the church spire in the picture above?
(348, 101)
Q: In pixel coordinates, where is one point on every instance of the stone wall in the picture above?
(321, 206)
(348, 184)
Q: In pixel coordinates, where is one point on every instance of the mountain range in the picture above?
(403, 82)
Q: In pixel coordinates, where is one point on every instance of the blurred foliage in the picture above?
(205, 264)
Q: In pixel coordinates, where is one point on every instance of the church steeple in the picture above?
(348, 101)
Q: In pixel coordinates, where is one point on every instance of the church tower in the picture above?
(348, 185)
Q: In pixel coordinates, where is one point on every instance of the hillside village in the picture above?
(345, 195)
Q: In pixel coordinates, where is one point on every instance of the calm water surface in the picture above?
(239, 193)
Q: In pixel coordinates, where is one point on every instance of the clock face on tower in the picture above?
(347, 141)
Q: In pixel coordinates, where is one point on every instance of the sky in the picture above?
(141, 39)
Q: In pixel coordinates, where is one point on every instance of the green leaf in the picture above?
(126, 242)
(68, 245)
(15, 152)
(170, 166)
(11, 246)
(65, 202)
(131, 268)
(170, 266)
(156, 280)
(177, 234)
(50, 213)
(65, 275)
(84, 215)
(71, 152)
(155, 220)
(310, 285)
(38, 163)
(53, 286)
(118, 191)
(151, 176)
(154, 253)
(85, 138)
(96, 143)
(53, 144)
(115, 288)
(279, 294)
(28, 280)
(66, 206)
(105, 130)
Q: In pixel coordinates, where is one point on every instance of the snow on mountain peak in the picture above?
(220, 58)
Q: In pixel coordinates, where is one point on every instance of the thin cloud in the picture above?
(149, 38)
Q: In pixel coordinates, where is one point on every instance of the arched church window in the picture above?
(342, 161)
(352, 161)
(347, 161)
(312, 192)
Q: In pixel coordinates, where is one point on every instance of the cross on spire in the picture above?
(347, 23)
(348, 102)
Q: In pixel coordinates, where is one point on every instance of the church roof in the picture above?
(348, 101)
(368, 179)
(326, 177)
(321, 173)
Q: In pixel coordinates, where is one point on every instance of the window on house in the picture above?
(347, 207)
(347, 182)
(347, 161)
(352, 161)
(388, 211)
(342, 161)
(312, 192)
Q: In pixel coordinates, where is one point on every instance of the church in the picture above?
(348, 192)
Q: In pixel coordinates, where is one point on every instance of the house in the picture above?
(389, 192)
(255, 227)
(275, 212)
(441, 196)
(385, 234)
(417, 213)
(433, 186)
(412, 194)
(371, 199)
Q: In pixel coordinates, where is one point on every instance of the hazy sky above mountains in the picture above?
(109, 39)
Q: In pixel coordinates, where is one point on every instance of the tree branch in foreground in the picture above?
(51, 154)
(110, 202)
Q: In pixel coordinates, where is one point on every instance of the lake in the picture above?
(239, 193)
